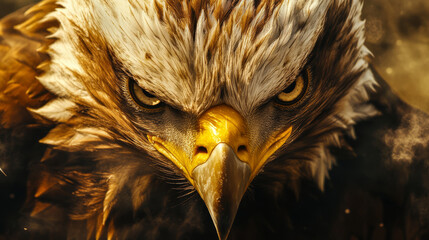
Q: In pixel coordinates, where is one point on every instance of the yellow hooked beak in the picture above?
(223, 163)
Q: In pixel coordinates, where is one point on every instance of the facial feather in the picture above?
(187, 67)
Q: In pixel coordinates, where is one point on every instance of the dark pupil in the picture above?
(148, 94)
(290, 88)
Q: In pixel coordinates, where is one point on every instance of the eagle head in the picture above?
(210, 95)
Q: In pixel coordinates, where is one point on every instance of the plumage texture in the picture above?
(94, 174)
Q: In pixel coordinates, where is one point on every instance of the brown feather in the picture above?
(20, 36)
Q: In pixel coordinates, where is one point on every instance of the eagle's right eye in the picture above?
(142, 97)
(296, 90)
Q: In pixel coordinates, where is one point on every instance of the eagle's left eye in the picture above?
(142, 97)
(296, 90)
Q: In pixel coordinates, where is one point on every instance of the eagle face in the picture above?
(207, 94)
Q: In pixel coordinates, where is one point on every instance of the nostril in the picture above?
(241, 149)
(201, 150)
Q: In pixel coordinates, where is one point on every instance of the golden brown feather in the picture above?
(20, 36)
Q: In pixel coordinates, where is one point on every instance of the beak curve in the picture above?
(221, 182)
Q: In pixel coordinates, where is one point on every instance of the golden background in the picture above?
(397, 35)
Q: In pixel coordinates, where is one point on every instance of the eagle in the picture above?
(204, 119)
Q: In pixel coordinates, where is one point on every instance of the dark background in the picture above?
(397, 34)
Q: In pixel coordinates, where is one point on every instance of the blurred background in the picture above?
(397, 34)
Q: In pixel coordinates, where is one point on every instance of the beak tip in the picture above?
(223, 236)
(221, 182)
(223, 227)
